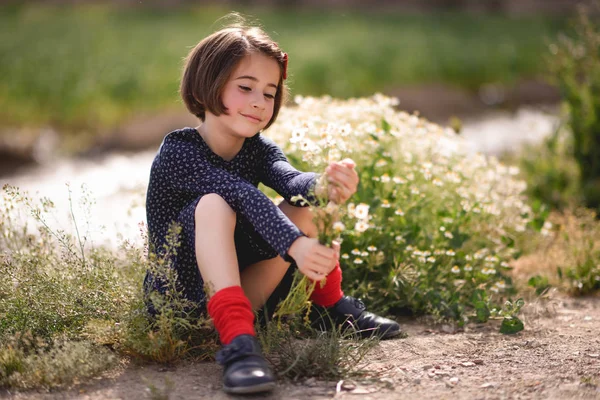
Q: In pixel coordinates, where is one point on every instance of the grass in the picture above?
(89, 68)
(296, 353)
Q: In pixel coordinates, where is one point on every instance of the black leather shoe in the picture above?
(245, 370)
(350, 313)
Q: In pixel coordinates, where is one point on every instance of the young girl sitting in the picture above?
(236, 245)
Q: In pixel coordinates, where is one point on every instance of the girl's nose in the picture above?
(258, 102)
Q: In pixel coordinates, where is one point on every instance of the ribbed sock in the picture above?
(331, 292)
(231, 313)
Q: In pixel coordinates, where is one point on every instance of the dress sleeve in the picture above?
(191, 172)
(277, 173)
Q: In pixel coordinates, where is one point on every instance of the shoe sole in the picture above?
(380, 335)
(262, 387)
(391, 335)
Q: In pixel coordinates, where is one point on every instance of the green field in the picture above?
(87, 68)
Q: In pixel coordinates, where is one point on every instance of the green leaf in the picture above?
(511, 325)
(385, 125)
(482, 312)
(539, 283)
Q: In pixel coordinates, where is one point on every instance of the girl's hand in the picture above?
(343, 180)
(313, 259)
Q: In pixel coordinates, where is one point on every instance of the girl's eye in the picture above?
(245, 88)
(269, 96)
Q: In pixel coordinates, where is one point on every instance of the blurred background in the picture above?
(86, 85)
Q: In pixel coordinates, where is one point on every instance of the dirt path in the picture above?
(556, 357)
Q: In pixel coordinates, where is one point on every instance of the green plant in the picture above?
(575, 65)
(511, 323)
(177, 329)
(54, 285)
(28, 362)
(539, 283)
(550, 170)
(583, 272)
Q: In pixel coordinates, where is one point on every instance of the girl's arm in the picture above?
(277, 173)
(190, 172)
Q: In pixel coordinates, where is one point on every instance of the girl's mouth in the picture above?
(252, 118)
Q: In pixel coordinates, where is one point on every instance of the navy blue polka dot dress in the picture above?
(185, 169)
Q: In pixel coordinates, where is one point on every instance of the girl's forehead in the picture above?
(263, 68)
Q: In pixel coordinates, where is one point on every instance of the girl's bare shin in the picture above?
(214, 245)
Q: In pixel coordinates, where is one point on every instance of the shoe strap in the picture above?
(238, 349)
(350, 307)
(359, 304)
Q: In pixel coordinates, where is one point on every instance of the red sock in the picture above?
(232, 313)
(331, 292)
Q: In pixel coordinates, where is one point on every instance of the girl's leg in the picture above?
(259, 280)
(216, 258)
(215, 251)
(245, 369)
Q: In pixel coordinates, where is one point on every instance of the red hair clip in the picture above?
(285, 62)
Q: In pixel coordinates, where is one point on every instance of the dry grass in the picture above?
(569, 244)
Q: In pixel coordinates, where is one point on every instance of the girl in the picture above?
(236, 245)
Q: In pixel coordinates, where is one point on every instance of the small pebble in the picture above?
(310, 382)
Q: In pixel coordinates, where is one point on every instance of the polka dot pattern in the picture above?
(185, 169)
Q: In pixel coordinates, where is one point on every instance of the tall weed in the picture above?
(575, 67)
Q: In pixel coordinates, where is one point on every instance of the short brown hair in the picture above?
(209, 65)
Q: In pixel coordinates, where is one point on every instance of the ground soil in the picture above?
(557, 356)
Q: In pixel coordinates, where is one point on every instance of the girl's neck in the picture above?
(222, 144)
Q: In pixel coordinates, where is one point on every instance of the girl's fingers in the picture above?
(324, 252)
(318, 274)
(348, 162)
(312, 274)
(335, 246)
(315, 276)
(322, 267)
(347, 180)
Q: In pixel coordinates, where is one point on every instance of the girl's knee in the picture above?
(302, 217)
(213, 207)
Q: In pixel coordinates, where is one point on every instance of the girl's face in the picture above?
(249, 95)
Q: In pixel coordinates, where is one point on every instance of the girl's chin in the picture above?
(247, 134)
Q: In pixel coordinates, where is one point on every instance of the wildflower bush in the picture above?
(432, 227)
